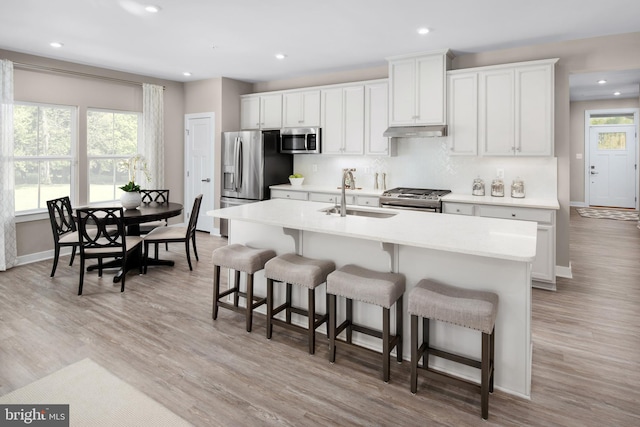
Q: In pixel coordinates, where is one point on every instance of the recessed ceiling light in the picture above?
(423, 31)
(186, 73)
(617, 93)
(152, 8)
(56, 44)
(280, 55)
(601, 81)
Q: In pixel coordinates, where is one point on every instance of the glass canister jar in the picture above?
(517, 188)
(497, 188)
(478, 187)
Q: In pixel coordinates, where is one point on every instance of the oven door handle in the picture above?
(407, 208)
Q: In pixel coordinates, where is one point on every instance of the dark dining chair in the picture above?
(153, 198)
(63, 226)
(176, 234)
(98, 241)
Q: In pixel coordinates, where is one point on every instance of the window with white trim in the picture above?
(45, 138)
(112, 137)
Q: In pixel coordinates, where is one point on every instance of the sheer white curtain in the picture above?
(153, 132)
(8, 251)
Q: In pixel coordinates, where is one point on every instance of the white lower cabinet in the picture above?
(285, 194)
(367, 201)
(544, 266)
(329, 198)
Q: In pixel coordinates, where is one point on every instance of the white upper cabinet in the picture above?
(342, 120)
(261, 111)
(376, 116)
(301, 109)
(535, 113)
(497, 112)
(417, 89)
(517, 110)
(502, 110)
(462, 116)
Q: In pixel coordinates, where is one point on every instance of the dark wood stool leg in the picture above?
(386, 351)
(216, 290)
(332, 328)
(414, 354)
(327, 311)
(399, 329)
(484, 380)
(349, 320)
(236, 285)
(249, 301)
(492, 365)
(425, 339)
(288, 310)
(311, 315)
(269, 307)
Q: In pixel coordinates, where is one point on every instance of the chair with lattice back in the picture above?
(184, 235)
(154, 198)
(64, 229)
(98, 239)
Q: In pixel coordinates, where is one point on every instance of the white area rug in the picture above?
(96, 397)
(619, 214)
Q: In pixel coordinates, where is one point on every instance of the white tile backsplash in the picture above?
(426, 163)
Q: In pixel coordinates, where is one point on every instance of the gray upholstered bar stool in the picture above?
(241, 259)
(373, 287)
(293, 269)
(464, 307)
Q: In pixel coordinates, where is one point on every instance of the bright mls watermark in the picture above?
(34, 415)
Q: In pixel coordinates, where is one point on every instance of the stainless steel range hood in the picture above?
(415, 131)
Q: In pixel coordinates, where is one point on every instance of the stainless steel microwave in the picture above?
(300, 140)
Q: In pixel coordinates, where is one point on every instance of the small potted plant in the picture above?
(131, 198)
(296, 179)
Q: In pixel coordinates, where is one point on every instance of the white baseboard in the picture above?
(564, 272)
(578, 205)
(42, 256)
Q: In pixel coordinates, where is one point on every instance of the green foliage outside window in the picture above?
(112, 137)
(43, 140)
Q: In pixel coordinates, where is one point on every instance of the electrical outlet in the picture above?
(500, 173)
(314, 168)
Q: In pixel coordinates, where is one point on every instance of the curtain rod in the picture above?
(25, 66)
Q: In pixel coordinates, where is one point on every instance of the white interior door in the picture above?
(199, 166)
(612, 168)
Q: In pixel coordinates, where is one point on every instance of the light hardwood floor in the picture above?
(159, 337)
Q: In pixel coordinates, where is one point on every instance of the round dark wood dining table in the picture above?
(132, 219)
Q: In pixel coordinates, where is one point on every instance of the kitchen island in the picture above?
(472, 252)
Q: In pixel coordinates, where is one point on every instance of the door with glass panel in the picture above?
(612, 167)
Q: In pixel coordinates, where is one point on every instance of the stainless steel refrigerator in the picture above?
(251, 162)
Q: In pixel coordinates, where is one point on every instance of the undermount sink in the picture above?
(358, 212)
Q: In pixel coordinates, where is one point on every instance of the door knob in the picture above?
(206, 180)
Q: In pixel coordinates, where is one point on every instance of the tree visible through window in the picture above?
(44, 150)
(112, 137)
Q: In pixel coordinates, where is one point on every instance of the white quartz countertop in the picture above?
(526, 202)
(488, 237)
(326, 189)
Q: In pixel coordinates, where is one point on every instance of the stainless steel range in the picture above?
(418, 199)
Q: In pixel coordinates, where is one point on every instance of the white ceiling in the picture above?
(239, 38)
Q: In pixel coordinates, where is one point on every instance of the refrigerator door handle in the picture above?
(235, 165)
(239, 165)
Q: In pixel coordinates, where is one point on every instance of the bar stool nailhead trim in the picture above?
(383, 289)
(464, 307)
(306, 272)
(241, 259)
